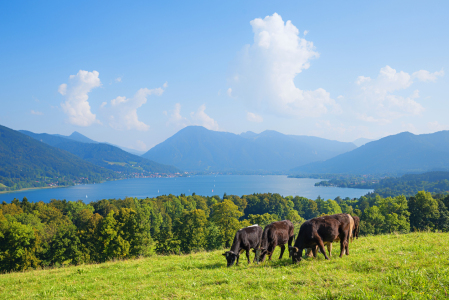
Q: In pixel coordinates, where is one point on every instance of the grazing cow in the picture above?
(341, 217)
(245, 239)
(317, 231)
(356, 227)
(276, 234)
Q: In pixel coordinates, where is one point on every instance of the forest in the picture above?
(388, 186)
(37, 235)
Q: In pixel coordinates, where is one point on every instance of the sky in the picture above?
(134, 73)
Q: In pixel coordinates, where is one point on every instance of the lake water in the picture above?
(201, 185)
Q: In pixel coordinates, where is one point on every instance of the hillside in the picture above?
(103, 155)
(407, 185)
(396, 154)
(195, 148)
(409, 266)
(25, 162)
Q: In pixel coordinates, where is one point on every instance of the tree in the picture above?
(18, 245)
(112, 244)
(190, 230)
(225, 216)
(372, 221)
(165, 242)
(423, 210)
(64, 247)
(263, 220)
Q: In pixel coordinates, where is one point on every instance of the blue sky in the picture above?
(133, 74)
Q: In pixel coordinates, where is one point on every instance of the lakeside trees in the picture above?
(62, 232)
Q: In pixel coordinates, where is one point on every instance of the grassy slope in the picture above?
(412, 266)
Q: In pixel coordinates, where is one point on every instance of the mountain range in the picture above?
(396, 154)
(196, 148)
(100, 154)
(25, 162)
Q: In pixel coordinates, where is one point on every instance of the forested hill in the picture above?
(25, 162)
(195, 148)
(104, 155)
(400, 153)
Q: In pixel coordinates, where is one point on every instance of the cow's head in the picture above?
(231, 257)
(295, 254)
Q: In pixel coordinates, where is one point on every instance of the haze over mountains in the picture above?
(25, 162)
(401, 153)
(196, 148)
(104, 155)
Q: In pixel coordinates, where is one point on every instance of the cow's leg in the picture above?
(247, 254)
(343, 241)
(329, 248)
(321, 245)
(282, 251)
(314, 251)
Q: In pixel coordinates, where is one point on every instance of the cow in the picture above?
(356, 227)
(276, 234)
(317, 231)
(341, 217)
(245, 239)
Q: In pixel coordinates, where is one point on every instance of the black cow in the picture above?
(245, 239)
(317, 231)
(276, 234)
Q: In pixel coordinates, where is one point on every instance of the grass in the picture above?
(411, 266)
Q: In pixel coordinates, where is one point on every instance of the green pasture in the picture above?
(409, 266)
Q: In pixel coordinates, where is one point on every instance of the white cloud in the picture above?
(76, 92)
(118, 79)
(103, 104)
(38, 113)
(340, 97)
(362, 79)
(252, 117)
(176, 119)
(124, 110)
(423, 75)
(266, 71)
(306, 32)
(141, 145)
(229, 92)
(380, 96)
(201, 118)
(436, 126)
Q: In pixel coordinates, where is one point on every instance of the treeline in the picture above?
(408, 185)
(35, 235)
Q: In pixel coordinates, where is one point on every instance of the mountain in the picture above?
(195, 148)
(25, 162)
(76, 136)
(361, 141)
(400, 153)
(103, 155)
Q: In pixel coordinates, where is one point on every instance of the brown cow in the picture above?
(276, 234)
(317, 231)
(329, 244)
(245, 239)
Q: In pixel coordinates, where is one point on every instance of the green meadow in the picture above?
(408, 266)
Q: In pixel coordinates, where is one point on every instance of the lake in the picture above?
(207, 185)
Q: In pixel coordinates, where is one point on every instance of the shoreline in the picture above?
(36, 188)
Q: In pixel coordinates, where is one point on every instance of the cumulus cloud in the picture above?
(423, 75)
(201, 118)
(76, 106)
(103, 104)
(118, 79)
(35, 112)
(266, 70)
(124, 110)
(379, 96)
(229, 92)
(252, 117)
(176, 118)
